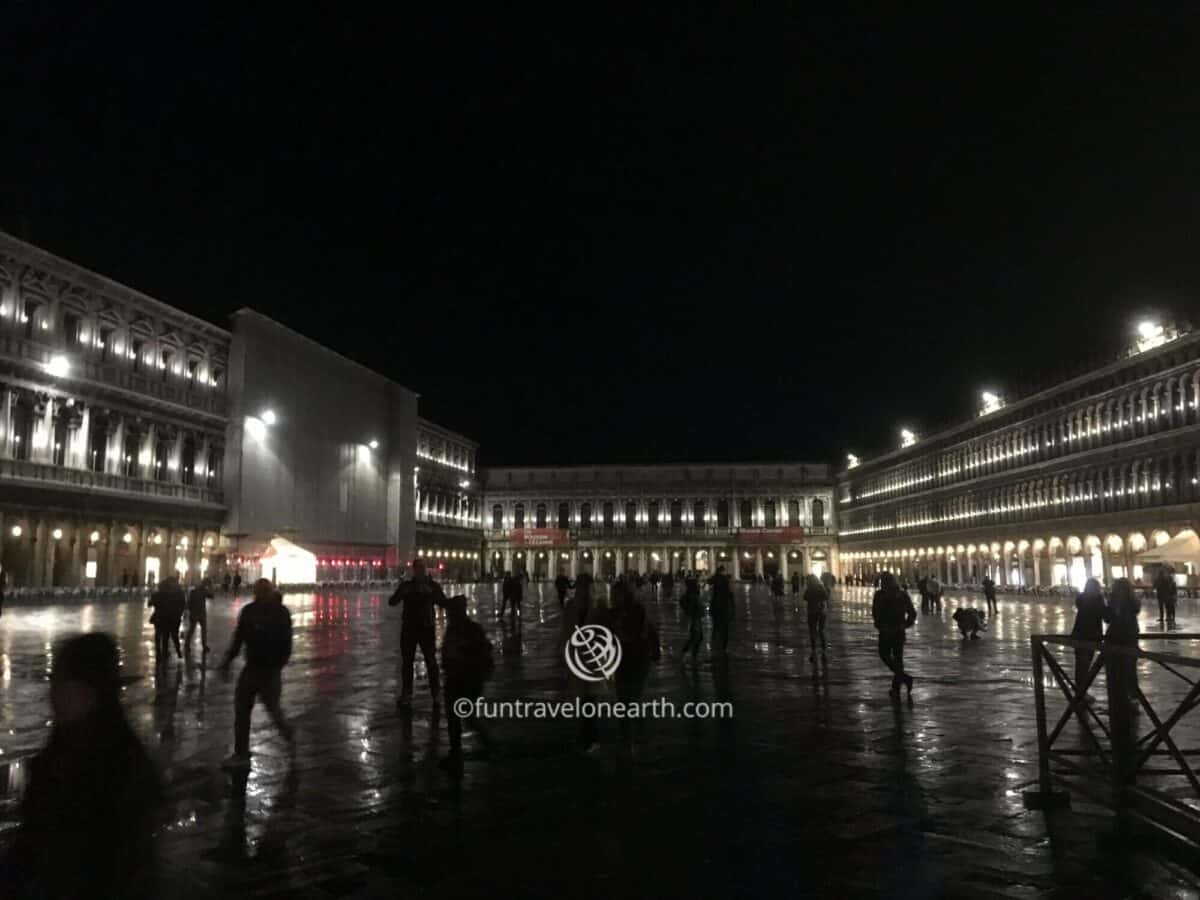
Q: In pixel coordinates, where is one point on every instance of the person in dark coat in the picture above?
(989, 593)
(796, 584)
(893, 612)
(815, 599)
(93, 800)
(419, 595)
(639, 648)
(562, 584)
(692, 608)
(466, 664)
(777, 586)
(1090, 615)
(197, 610)
(1123, 630)
(168, 603)
(264, 628)
(668, 585)
(720, 609)
(1166, 591)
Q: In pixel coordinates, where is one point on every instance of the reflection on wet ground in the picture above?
(818, 786)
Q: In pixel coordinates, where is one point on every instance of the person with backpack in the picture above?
(893, 612)
(720, 609)
(418, 596)
(816, 598)
(692, 608)
(264, 628)
(466, 664)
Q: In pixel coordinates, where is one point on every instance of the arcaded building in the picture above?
(113, 414)
(1071, 482)
(752, 518)
(448, 502)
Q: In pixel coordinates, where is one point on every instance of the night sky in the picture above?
(621, 238)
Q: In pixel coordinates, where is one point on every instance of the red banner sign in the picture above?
(772, 536)
(539, 537)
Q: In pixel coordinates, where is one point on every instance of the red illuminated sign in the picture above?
(772, 536)
(539, 537)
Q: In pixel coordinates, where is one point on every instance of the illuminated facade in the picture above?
(751, 518)
(112, 428)
(448, 502)
(1071, 482)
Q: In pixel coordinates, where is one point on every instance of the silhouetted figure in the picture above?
(1167, 593)
(934, 587)
(796, 584)
(583, 597)
(720, 609)
(1123, 631)
(639, 648)
(970, 621)
(923, 590)
(668, 585)
(466, 663)
(655, 578)
(827, 582)
(598, 613)
(197, 610)
(264, 627)
(989, 593)
(511, 593)
(694, 610)
(1090, 615)
(92, 805)
(237, 581)
(562, 584)
(893, 612)
(419, 594)
(226, 582)
(777, 586)
(816, 598)
(168, 603)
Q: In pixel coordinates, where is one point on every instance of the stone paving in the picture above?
(819, 785)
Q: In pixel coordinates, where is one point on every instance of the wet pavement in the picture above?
(818, 786)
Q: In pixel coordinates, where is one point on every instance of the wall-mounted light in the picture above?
(58, 366)
(373, 444)
(56, 534)
(268, 417)
(16, 531)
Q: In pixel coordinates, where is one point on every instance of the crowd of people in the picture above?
(93, 753)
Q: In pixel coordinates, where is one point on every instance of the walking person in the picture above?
(796, 584)
(1090, 615)
(237, 582)
(720, 609)
(264, 628)
(639, 648)
(562, 584)
(893, 612)
(989, 593)
(197, 610)
(777, 586)
(923, 589)
(168, 604)
(418, 596)
(934, 589)
(815, 598)
(466, 663)
(92, 804)
(668, 585)
(1167, 593)
(692, 608)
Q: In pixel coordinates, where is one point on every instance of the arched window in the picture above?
(769, 513)
(818, 513)
(698, 514)
(585, 516)
(541, 515)
(794, 513)
(722, 513)
(519, 516)
(652, 514)
(746, 519)
(631, 515)
(607, 513)
(497, 517)
(564, 515)
(676, 514)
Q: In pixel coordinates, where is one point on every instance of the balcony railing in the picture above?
(619, 533)
(86, 480)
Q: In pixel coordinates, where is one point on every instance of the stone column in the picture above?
(139, 571)
(110, 575)
(40, 539)
(1037, 568)
(146, 452)
(758, 561)
(783, 562)
(79, 533)
(508, 560)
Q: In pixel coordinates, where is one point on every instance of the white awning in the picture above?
(288, 563)
(1183, 548)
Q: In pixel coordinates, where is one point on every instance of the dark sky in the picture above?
(626, 238)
